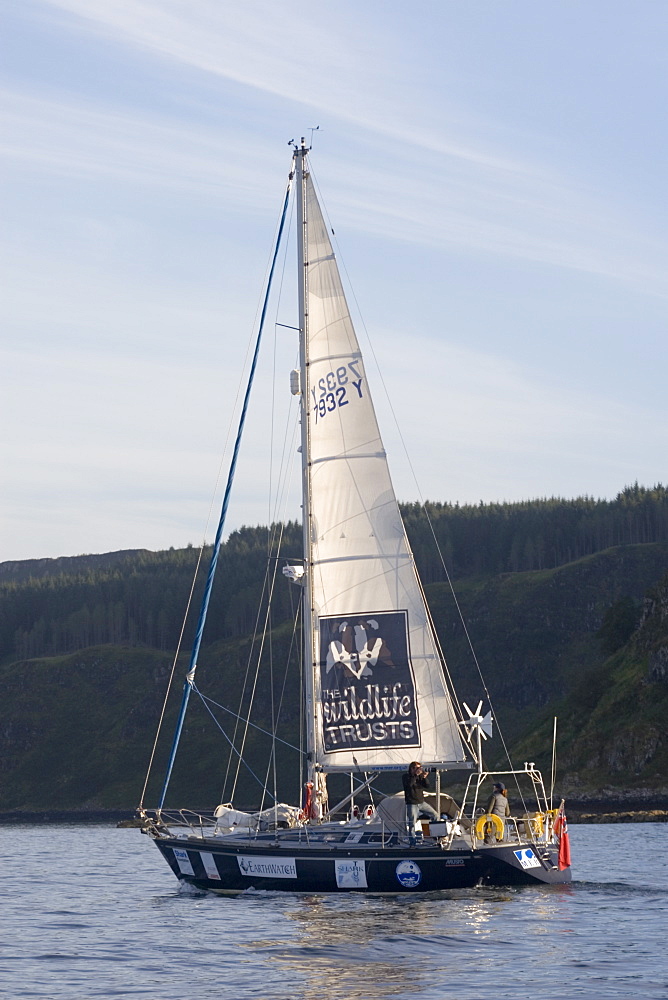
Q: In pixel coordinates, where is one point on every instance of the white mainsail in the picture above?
(379, 692)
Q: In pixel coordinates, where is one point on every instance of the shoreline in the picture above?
(579, 813)
(625, 816)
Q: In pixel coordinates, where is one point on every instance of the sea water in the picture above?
(91, 912)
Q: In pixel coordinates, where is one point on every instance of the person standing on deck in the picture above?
(416, 782)
(497, 805)
(498, 801)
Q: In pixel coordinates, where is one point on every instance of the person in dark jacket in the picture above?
(416, 782)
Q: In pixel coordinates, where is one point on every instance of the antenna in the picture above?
(293, 142)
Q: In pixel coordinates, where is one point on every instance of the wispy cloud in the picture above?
(473, 193)
(137, 231)
(323, 60)
(479, 209)
(82, 139)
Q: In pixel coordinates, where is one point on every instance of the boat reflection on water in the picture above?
(366, 949)
(379, 947)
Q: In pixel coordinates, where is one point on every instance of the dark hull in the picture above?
(232, 867)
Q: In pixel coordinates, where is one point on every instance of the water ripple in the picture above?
(101, 916)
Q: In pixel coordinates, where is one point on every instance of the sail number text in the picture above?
(336, 388)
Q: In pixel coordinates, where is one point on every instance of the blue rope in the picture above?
(221, 523)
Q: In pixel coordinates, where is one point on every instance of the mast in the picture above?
(307, 606)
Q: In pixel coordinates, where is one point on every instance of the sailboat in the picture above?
(377, 692)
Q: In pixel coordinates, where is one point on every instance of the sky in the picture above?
(495, 176)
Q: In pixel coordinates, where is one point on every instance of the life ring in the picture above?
(535, 823)
(484, 821)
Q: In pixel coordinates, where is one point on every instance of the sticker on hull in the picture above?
(209, 865)
(267, 867)
(183, 861)
(409, 874)
(527, 858)
(350, 874)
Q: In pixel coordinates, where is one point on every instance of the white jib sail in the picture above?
(379, 689)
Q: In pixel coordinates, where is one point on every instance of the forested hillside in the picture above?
(612, 721)
(549, 589)
(537, 634)
(532, 535)
(135, 598)
(49, 607)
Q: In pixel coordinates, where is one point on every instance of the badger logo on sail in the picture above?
(366, 682)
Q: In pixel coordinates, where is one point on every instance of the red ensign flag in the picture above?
(561, 831)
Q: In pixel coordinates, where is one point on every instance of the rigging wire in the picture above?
(217, 543)
(279, 296)
(249, 660)
(203, 544)
(200, 556)
(272, 758)
(276, 526)
(260, 729)
(265, 632)
(266, 587)
(276, 539)
(448, 677)
(288, 468)
(170, 680)
(449, 684)
(275, 738)
(275, 542)
(302, 707)
(202, 548)
(425, 510)
(241, 760)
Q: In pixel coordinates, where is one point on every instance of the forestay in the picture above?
(379, 689)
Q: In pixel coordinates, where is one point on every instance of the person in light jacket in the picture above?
(498, 801)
